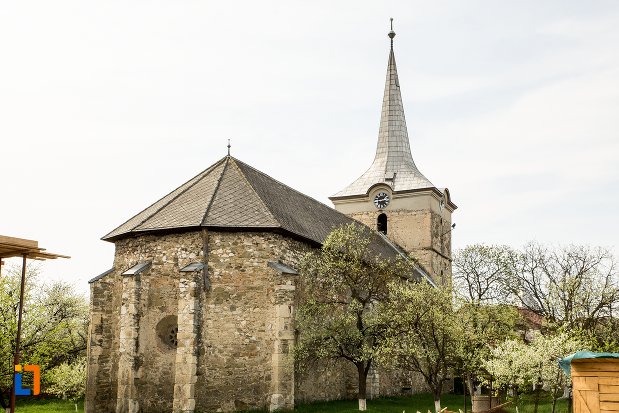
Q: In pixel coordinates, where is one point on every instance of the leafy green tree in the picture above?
(480, 281)
(425, 334)
(574, 286)
(54, 327)
(484, 327)
(342, 284)
(68, 381)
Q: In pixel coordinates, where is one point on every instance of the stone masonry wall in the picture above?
(159, 299)
(147, 365)
(186, 367)
(327, 380)
(128, 349)
(401, 383)
(102, 349)
(244, 322)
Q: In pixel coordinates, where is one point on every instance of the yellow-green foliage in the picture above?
(54, 328)
(343, 283)
(68, 381)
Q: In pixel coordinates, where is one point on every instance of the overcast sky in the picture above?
(107, 106)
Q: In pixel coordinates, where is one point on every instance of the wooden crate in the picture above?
(595, 384)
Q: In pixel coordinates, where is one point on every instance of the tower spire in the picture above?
(393, 163)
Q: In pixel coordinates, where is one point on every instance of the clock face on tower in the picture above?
(381, 200)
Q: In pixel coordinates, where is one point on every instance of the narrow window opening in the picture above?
(381, 223)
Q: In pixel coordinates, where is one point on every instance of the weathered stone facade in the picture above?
(201, 317)
(233, 338)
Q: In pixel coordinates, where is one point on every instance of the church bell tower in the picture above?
(395, 198)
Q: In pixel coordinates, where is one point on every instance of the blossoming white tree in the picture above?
(68, 381)
(516, 365)
(424, 333)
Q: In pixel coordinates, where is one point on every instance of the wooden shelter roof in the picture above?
(18, 247)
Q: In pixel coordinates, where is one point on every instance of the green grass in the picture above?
(45, 405)
(525, 405)
(419, 402)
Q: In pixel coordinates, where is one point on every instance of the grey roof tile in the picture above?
(236, 203)
(101, 276)
(294, 211)
(131, 224)
(187, 209)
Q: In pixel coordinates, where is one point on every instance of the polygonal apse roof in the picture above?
(232, 195)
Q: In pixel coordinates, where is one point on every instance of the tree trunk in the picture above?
(469, 385)
(555, 393)
(538, 387)
(363, 375)
(516, 398)
(437, 400)
(464, 382)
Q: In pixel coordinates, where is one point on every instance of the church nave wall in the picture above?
(243, 334)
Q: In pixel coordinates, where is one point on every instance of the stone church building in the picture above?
(197, 311)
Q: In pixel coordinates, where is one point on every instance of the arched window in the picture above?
(381, 223)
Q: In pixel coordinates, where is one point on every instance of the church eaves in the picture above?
(393, 163)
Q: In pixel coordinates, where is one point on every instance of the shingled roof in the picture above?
(232, 195)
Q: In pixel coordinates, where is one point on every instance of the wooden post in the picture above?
(17, 339)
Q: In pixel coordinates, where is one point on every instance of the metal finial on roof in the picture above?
(391, 34)
(229, 146)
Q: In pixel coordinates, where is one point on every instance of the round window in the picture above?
(172, 336)
(167, 331)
